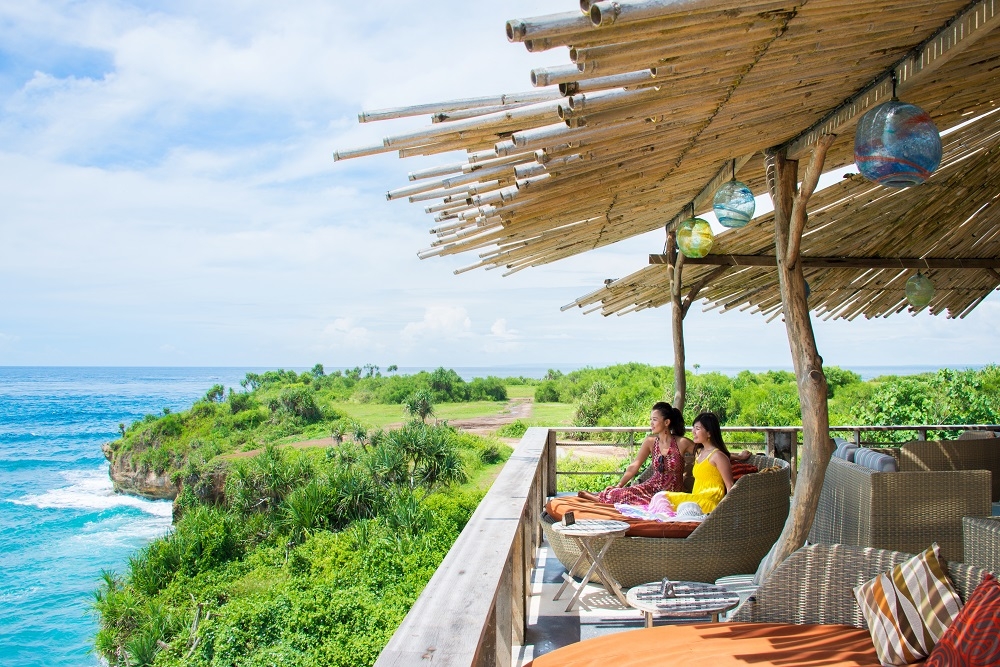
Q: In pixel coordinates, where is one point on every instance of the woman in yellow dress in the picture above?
(713, 476)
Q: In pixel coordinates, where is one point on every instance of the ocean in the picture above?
(60, 522)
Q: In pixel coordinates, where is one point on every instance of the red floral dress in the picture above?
(668, 475)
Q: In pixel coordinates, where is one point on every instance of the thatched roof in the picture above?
(663, 95)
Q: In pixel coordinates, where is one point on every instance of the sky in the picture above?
(168, 197)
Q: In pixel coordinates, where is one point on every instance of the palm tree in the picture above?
(419, 404)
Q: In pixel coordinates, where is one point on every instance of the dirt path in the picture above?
(516, 408)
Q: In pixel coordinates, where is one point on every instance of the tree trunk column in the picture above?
(677, 312)
(817, 447)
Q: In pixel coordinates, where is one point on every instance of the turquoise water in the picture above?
(60, 522)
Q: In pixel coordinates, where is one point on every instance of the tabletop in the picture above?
(691, 598)
(591, 528)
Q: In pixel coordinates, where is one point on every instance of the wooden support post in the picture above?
(817, 446)
(677, 312)
(550, 464)
(921, 434)
(857, 437)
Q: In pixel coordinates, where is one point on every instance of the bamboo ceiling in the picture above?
(659, 99)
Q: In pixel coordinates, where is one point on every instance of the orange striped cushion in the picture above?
(909, 608)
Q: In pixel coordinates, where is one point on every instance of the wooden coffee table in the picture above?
(588, 533)
(691, 599)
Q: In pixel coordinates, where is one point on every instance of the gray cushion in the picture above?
(845, 451)
(875, 460)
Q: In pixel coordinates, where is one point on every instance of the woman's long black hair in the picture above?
(668, 412)
(711, 424)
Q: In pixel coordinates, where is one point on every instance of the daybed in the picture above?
(805, 614)
(975, 453)
(732, 539)
(904, 511)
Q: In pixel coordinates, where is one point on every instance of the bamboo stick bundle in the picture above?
(538, 27)
(607, 12)
(488, 124)
(529, 96)
(628, 81)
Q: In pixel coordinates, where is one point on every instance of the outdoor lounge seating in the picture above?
(904, 511)
(731, 540)
(970, 453)
(804, 614)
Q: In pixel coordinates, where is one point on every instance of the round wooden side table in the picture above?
(690, 599)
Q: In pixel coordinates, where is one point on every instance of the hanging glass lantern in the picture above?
(897, 144)
(695, 237)
(919, 291)
(733, 204)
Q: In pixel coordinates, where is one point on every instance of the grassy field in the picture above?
(520, 391)
(552, 414)
(379, 415)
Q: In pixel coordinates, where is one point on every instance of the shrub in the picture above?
(547, 392)
(515, 429)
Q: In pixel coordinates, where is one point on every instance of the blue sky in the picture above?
(169, 198)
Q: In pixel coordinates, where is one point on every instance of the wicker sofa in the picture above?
(903, 511)
(977, 453)
(732, 539)
(805, 614)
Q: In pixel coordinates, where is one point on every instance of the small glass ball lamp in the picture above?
(919, 291)
(695, 237)
(897, 144)
(733, 204)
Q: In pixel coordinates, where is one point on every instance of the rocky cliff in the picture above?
(137, 481)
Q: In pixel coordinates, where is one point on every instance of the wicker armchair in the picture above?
(982, 542)
(903, 511)
(815, 585)
(732, 539)
(980, 452)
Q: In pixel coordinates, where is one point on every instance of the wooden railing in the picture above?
(474, 609)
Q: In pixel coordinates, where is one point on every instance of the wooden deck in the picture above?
(490, 600)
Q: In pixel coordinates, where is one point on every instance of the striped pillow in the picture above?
(909, 608)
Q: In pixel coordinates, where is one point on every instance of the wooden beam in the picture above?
(677, 313)
(961, 32)
(989, 263)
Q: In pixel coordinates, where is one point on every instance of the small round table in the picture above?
(691, 599)
(587, 533)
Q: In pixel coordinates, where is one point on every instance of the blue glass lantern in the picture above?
(897, 144)
(733, 204)
(695, 237)
(919, 291)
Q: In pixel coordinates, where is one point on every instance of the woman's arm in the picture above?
(633, 469)
(721, 462)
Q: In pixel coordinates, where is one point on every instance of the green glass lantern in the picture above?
(695, 237)
(919, 291)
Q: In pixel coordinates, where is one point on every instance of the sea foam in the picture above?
(91, 490)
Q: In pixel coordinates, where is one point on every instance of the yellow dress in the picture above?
(709, 488)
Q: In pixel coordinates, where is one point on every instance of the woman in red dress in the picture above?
(664, 446)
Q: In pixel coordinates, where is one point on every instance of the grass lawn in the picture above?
(552, 414)
(379, 415)
(520, 391)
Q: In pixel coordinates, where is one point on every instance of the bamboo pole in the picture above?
(677, 320)
(529, 96)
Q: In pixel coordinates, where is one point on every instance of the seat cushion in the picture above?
(584, 508)
(909, 608)
(721, 645)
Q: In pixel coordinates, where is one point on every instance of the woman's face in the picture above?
(657, 423)
(700, 434)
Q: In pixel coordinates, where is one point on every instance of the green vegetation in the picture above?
(284, 406)
(622, 396)
(313, 558)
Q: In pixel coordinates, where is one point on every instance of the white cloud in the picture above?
(439, 323)
(500, 330)
(343, 332)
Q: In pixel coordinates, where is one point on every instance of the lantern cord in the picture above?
(692, 209)
(892, 76)
(734, 169)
